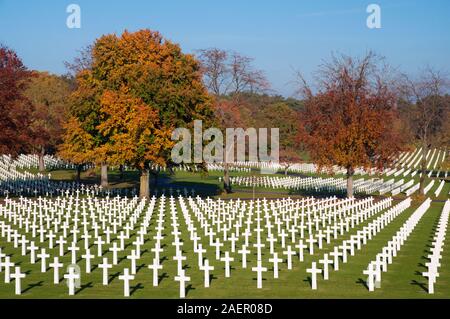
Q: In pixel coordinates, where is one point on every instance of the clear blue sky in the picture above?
(280, 35)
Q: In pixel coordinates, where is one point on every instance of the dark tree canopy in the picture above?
(15, 108)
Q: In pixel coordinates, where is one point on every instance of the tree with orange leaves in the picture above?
(157, 85)
(351, 120)
(78, 145)
(134, 134)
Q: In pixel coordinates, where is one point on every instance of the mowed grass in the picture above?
(403, 279)
(211, 184)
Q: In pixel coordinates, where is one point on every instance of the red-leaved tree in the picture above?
(350, 119)
(15, 109)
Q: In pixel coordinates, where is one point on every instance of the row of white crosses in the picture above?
(355, 242)
(436, 249)
(90, 228)
(113, 212)
(282, 220)
(408, 163)
(29, 161)
(73, 249)
(214, 167)
(217, 244)
(5, 266)
(41, 220)
(308, 168)
(17, 183)
(316, 184)
(181, 277)
(390, 250)
(439, 188)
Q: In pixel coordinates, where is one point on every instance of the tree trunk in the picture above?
(79, 173)
(226, 179)
(423, 168)
(41, 160)
(350, 173)
(121, 170)
(226, 171)
(156, 174)
(104, 175)
(144, 190)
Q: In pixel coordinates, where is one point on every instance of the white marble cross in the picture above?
(32, 248)
(126, 277)
(179, 258)
(244, 252)
(314, 271)
(87, 257)
(99, 242)
(431, 275)
(259, 270)
(73, 249)
(325, 261)
(56, 265)
(200, 251)
(105, 266)
(206, 268)
(23, 242)
(155, 266)
(17, 276)
(114, 250)
(258, 247)
(182, 279)
(71, 276)
(7, 264)
(217, 244)
(335, 254)
(61, 241)
(300, 246)
(133, 257)
(289, 253)
(227, 259)
(275, 260)
(370, 272)
(311, 240)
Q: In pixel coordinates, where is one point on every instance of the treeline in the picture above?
(124, 94)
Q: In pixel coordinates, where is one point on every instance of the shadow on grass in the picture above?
(420, 284)
(138, 268)
(113, 276)
(362, 282)
(162, 277)
(186, 187)
(308, 280)
(186, 266)
(31, 286)
(85, 286)
(211, 278)
(136, 288)
(189, 288)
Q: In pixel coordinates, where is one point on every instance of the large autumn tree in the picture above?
(49, 95)
(15, 109)
(350, 119)
(157, 86)
(134, 132)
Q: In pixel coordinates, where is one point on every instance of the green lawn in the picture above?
(401, 280)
